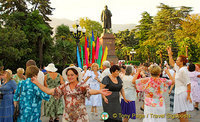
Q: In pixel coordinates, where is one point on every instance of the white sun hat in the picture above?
(51, 67)
(64, 75)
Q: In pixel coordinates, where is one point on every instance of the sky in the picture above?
(123, 11)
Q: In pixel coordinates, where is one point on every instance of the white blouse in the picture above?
(181, 79)
(129, 89)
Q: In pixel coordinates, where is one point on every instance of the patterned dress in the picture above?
(75, 109)
(30, 101)
(153, 90)
(154, 102)
(195, 88)
(6, 104)
(53, 107)
(17, 78)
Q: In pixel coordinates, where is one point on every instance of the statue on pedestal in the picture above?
(106, 19)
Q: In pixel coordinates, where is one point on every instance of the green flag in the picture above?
(100, 56)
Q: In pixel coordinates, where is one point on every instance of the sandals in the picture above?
(196, 108)
(141, 109)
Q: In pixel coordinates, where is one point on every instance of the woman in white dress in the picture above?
(182, 98)
(94, 82)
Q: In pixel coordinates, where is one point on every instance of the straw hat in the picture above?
(76, 68)
(51, 67)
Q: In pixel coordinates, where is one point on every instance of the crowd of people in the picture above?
(115, 87)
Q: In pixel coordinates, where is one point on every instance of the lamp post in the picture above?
(132, 52)
(77, 33)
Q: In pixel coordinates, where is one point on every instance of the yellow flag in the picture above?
(104, 56)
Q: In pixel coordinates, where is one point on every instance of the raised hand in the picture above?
(169, 50)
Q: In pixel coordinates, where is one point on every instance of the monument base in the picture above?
(108, 39)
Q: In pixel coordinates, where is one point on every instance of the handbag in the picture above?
(16, 111)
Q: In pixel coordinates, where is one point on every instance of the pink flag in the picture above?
(97, 49)
(86, 55)
(86, 52)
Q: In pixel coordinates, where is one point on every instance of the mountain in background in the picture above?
(115, 27)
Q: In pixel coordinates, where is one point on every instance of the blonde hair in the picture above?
(20, 70)
(32, 71)
(93, 65)
(71, 65)
(9, 75)
(155, 70)
(10, 71)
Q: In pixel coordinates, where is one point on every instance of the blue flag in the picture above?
(78, 58)
(93, 35)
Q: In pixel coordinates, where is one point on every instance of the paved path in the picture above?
(195, 115)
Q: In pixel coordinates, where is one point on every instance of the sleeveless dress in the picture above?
(53, 107)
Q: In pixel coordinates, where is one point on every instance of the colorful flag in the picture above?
(82, 55)
(88, 48)
(97, 49)
(100, 55)
(93, 54)
(78, 58)
(86, 52)
(91, 41)
(105, 55)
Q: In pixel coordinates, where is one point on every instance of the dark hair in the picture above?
(32, 71)
(183, 59)
(73, 70)
(191, 67)
(123, 67)
(128, 70)
(146, 64)
(114, 68)
(30, 62)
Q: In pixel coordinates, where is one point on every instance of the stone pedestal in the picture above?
(108, 39)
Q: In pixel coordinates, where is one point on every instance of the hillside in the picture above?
(115, 27)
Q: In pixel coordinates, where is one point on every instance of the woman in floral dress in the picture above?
(74, 94)
(53, 108)
(153, 88)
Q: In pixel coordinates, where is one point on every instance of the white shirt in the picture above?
(105, 73)
(40, 77)
(181, 79)
(129, 89)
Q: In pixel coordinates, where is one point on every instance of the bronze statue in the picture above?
(106, 19)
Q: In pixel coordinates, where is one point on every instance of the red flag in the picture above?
(93, 54)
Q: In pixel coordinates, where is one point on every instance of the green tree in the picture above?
(10, 6)
(12, 49)
(189, 35)
(90, 25)
(125, 41)
(65, 46)
(39, 35)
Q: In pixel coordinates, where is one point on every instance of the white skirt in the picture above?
(181, 104)
(154, 114)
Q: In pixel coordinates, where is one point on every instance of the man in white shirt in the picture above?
(106, 69)
(40, 78)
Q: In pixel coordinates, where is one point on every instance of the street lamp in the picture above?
(77, 33)
(132, 52)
